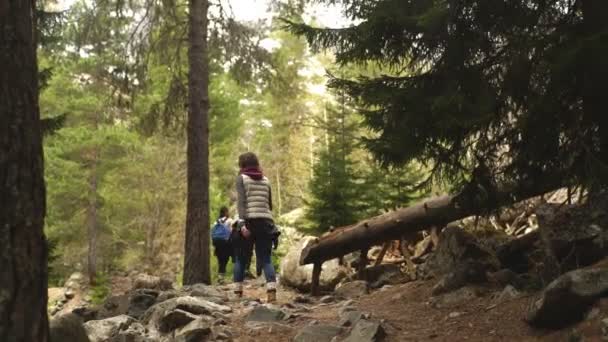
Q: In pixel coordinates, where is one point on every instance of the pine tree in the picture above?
(23, 268)
(511, 86)
(197, 244)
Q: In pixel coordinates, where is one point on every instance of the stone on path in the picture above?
(366, 331)
(317, 333)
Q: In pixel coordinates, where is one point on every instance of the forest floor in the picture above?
(407, 315)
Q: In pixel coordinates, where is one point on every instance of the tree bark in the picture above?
(23, 249)
(196, 259)
(436, 211)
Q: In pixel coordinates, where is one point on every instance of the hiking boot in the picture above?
(272, 296)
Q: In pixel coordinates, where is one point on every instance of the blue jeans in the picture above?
(262, 240)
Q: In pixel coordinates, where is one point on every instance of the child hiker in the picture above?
(220, 235)
(255, 208)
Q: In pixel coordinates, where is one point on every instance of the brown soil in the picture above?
(407, 316)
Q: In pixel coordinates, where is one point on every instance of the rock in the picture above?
(114, 306)
(134, 333)
(145, 281)
(604, 324)
(302, 299)
(67, 328)
(202, 290)
(76, 281)
(139, 303)
(593, 313)
(568, 298)
(327, 299)
(195, 331)
(461, 276)
(86, 313)
(366, 331)
(350, 318)
(460, 259)
(455, 314)
(263, 313)
(69, 293)
(317, 333)
(193, 305)
(300, 276)
(174, 319)
(507, 294)
(105, 329)
(570, 236)
(353, 289)
(166, 295)
(455, 298)
(383, 274)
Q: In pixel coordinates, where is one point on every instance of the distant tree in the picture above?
(197, 245)
(23, 260)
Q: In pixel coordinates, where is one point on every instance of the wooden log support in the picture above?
(382, 253)
(403, 247)
(316, 275)
(363, 260)
(436, 211)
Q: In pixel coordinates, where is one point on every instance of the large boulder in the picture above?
(300, 277)
(140, 301)
(460, 259)
(263, 313)
(567, 299)
(68, 328)
(572, 237)
(195, 331)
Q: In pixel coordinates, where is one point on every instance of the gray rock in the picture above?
(327, 299)
(300, 276)
(166, 295)
(202, 290)
(568, 298)
(105, 329)
(114, 306)
(366, 331)
(86, 313)
(317, 333)
(193, 305)
(69, 293)
(67, 328)
(383, 274)
(195, 331)
(350, 318)
(460, 259)
(145, 281)
(507, 294)
(455, 298)
(139, 303)
(175, 319)
(263, 313)
(353, 289)
(134, 333)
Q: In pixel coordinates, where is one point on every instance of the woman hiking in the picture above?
(254, 203)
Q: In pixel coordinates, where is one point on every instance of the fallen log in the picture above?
(437, 211)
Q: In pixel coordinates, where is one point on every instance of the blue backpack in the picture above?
(220, 231)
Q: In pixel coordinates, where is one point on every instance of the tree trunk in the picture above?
(92, 221)
(23, 250)
(596, 73)
(437, 211)
(196, 259)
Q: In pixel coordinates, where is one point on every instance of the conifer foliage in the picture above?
(512, 85)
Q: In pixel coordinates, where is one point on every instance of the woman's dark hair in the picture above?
(248, 159)
(223, 211)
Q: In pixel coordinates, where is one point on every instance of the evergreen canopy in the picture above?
(514, 85)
